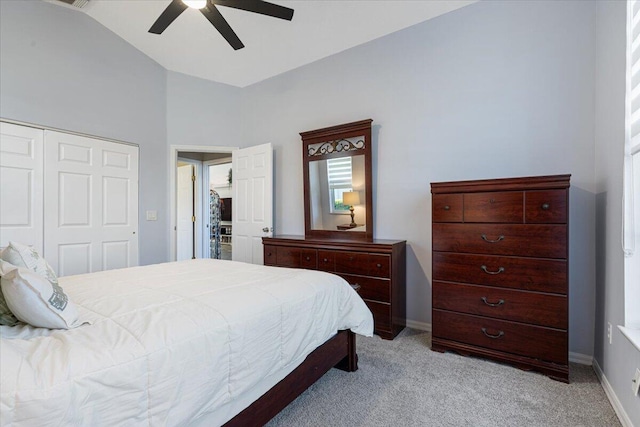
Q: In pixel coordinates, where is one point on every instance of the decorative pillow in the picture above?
(6, 316)
(37, 300)
(25, 256)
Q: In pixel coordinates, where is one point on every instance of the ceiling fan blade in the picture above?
(258, 6)
(221, 24)
(175, 8)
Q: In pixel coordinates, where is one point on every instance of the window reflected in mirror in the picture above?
(330, 181)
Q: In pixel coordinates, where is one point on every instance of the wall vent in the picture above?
(75, 3)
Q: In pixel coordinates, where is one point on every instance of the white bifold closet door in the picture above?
(21, 166)
(90, 204)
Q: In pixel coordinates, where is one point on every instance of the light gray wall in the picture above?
(496, 89)
(620, 359)
(60, 68)
(200, 112)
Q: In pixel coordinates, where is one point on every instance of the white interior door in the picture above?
(91, 204)
(252, 201)
(185, 202)
(21, 185)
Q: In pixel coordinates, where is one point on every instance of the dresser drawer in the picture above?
(270, 255)
(506, 206)
(531, 274)
(288, 257)
(526, 340)
(548, 206)
(363, 264)
(544, 241)
(370, 288)
(326, 260)
(308, 259)
(447, 208)
(352, 263)
(379, 265)
(518, 306)
(381, 315)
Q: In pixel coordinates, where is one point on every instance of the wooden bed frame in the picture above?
(339, 351)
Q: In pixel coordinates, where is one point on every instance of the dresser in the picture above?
(377, 270)
(500, 271)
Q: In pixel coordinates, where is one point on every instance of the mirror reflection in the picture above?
(338, 194)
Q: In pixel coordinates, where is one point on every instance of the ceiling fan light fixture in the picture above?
(195, 4)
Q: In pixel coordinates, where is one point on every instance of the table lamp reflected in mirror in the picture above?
(351, 198)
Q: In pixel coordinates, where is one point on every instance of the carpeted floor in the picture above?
(403, 383)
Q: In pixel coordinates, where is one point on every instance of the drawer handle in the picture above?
(484, 237)
(350, 258)
(484, 268)
(446, 208)
(308, 258)
(269, 254)
(379, 265)
(492, 304)
(545, 206)
(500, 334)
(325, 260)
(356, 287)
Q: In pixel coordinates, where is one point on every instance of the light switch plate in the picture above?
(636, 382)
(152, 215)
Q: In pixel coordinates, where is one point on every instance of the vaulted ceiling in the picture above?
(320, 28)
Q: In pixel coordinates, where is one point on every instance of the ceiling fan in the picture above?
(210, 11)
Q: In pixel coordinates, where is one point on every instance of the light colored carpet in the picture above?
(403, 383)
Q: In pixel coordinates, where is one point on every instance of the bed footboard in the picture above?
(339, 351)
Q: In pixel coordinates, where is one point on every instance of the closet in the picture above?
(72, 197)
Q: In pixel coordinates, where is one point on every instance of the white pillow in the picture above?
(38, 301)
(25, 256)
(6, 316)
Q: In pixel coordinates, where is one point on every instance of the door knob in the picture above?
(265, 229)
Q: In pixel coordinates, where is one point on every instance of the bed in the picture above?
(199, 342)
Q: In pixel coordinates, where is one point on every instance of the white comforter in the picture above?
(171, 344)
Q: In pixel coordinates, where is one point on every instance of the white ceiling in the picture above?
(191, 45)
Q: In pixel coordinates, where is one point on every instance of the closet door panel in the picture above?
(21, 185)
(91, 204)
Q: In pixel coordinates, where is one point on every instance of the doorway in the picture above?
(200, 158)
(252, 205)
(218, 218)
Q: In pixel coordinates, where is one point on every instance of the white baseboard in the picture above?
(421, 326)
(583, 359)
(617, 406)
(580, 358)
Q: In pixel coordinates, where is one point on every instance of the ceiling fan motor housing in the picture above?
(75, 3)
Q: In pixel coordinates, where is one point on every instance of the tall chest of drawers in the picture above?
(376, 269)
(500, 270)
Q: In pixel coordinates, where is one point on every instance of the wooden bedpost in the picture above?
(350, 362)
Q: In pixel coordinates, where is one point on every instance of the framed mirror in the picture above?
(338, 199)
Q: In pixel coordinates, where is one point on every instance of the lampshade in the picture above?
(196, 4)
(351, 198)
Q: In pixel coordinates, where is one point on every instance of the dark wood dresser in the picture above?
(500, 270)
(377, 269)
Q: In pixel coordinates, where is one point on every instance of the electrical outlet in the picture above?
(609, 333)
(636, 382)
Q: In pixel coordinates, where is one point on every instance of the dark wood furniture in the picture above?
(339, 352)
(378, 267)
(347, 226)
(347, 140)
(500, 270)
